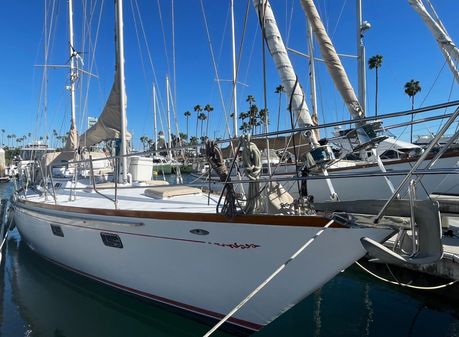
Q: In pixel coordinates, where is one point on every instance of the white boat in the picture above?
(177, 246)
(188, 256)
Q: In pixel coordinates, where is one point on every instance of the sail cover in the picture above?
(334, 65)
(108, 126)
(284, 67)
(447, 46)
(68, 151)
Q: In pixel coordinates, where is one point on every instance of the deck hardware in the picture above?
(111, 240)
(57, 230)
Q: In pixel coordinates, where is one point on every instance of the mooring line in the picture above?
(265, 282)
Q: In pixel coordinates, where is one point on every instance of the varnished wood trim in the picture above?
(275, 220)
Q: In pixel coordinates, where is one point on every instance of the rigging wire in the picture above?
(269, 278)
(339, 17)
(164, 35)
(160, 101)
(449, 99)
(93, 65)
(239, 56)
(142, 61)
(42, 109)
(215, 68)
(92, 45)
(252, 49)
(433, 84)
(422, 103)
(220, 53)
(289, 29)
(174, 99)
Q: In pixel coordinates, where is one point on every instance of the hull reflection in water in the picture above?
(42, 300)
(54, 302)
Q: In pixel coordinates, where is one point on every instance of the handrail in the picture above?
(419, 162)
(52, 184)
(94, 184)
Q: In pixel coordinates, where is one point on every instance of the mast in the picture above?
(312, 77)
(446, 44)
(155, 129)
(122, 87)
(334, 65)
(284, 67)
(72, 140)
(169, 135)
(233, 43)
(73, 74)
(361, 58)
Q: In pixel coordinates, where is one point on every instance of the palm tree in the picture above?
(375, 62)
(197, 109)
(187, 115)
(250, 99)
(263, 114)
(9, 140)
(55, 134)
(183, 136)
(208, 108)
(411, 89)
(202, 117)
(144, 141)
(279, 90)
(253, 117)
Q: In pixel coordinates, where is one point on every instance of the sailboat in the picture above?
(193, 251)
(373, 143)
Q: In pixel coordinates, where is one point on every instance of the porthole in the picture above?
(199, 231)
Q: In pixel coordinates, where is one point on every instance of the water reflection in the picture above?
(54, 302)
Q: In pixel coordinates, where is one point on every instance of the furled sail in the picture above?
(284, 67)
(108, 126)
(446, 44)
(68, 152)
(72, 140)
(334, 65)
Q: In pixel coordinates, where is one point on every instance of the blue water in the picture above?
(39, 299)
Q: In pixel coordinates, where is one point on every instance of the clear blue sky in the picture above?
(397, 33)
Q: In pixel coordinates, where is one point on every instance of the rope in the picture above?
(215, 158)
(265, 282)
(405, 284)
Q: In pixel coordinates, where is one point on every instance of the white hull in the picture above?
(363, 188)
(205, 274)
